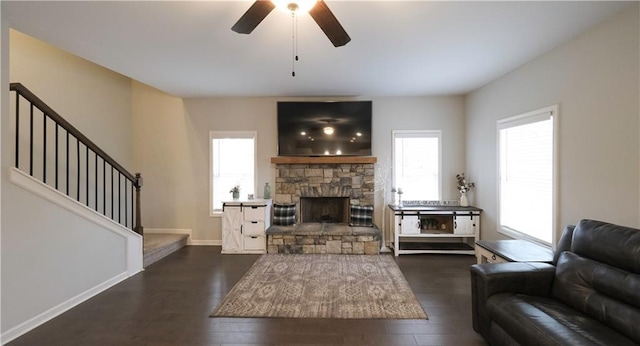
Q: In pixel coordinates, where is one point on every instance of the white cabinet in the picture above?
(434, 229)
(244, 224)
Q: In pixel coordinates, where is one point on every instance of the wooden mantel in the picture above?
(323, 159)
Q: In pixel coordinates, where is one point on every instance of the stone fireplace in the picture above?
(353, 181)
(323, 192)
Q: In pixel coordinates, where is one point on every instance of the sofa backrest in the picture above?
(565, 242)
(614, 245)
(600, 275)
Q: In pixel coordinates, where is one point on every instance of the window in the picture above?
(527, 170)
(233, 162)
(416, 164)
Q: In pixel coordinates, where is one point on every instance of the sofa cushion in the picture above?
(614, 245)
(545, 321)
(605, 293)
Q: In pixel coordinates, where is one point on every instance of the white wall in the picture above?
(51, 256)
(172, 149)
(594, 79)
(4, 109)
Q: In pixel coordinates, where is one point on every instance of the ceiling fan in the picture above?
(320, 12)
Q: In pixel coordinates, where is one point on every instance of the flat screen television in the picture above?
(340, 128)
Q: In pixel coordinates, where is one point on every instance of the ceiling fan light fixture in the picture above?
(294, 6)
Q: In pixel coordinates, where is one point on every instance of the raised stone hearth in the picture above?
(309, 238)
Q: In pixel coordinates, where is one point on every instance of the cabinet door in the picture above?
(465, 224)
(410, 224)
(231, 229)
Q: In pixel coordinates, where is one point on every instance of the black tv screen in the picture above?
(324, 128)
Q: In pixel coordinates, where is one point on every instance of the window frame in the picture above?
(230, 134)
(413, 134)
(523, 119)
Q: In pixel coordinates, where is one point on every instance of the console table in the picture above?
(433, 229)
(513, 250)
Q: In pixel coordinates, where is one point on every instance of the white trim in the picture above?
(199, 242)
(170, 231)
(134, 242)
(541, 114)
(55, 311)
(231, 134)
(415, 134)
(528, 117)
(190, 240)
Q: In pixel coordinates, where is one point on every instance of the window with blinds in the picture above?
(416, 164)
(526, 188)
(233, 162)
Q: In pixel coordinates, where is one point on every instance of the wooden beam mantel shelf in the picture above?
(292, 160)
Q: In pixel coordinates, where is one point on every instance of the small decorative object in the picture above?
(395, 196)
(267, 191)
(250, 196)
(464, 187)
(235, 192)
(400, 196)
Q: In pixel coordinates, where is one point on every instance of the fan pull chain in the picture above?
(294, 42)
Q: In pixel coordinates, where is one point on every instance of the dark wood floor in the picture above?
(169, 304)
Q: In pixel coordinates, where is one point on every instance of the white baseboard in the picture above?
(207, 242)
(190, 240)
(171, 231)
(36, 321)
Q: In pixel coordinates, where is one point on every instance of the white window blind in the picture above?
(526, 175)
(233, 161)
(416, 164)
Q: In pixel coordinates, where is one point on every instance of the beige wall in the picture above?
(95, 100)
(594, 79)
(172, 149)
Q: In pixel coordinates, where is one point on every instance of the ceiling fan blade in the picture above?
(254, 15)
(329, 24)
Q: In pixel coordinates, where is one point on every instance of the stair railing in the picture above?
(53, 151)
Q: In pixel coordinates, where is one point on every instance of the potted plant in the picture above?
(464, 187)
(235, 191)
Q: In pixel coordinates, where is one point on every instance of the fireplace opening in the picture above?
(324, 209)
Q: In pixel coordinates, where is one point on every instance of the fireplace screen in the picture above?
(324, 209)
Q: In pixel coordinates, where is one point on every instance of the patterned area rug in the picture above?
(322, 286)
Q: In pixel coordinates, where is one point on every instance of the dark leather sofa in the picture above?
(590, 295)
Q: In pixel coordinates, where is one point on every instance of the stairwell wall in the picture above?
(52, 257)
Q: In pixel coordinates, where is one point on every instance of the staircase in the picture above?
(158, 246)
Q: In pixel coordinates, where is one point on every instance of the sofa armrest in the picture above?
(487, 279)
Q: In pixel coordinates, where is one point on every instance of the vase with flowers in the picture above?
(235, 191)
(463, 188)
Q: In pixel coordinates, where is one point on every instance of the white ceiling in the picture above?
(398, 48)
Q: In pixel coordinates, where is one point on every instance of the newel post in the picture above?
(138, 228)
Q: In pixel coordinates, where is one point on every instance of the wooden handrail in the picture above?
(38, 103)
(49, 113)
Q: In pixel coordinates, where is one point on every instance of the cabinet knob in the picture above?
(493, 257)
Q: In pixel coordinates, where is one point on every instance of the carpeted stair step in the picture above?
(158, 246)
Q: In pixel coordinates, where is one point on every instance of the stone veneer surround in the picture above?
(355, 181)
